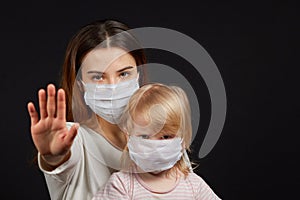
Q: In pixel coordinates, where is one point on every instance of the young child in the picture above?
(157, 120)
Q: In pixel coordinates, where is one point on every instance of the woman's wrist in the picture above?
(49, 162)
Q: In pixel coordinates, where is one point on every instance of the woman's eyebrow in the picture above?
(128, 67)
(93, 71)
(99, 72)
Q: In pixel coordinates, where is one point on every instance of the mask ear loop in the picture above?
(79, 81)
(140, 75)
(187, 160)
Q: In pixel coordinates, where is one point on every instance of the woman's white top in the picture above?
(92, 161)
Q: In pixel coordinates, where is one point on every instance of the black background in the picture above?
(254, 45)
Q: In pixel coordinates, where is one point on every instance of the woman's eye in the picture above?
(124, 74)
(97, 77)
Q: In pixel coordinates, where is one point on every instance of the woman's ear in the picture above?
(80, 86)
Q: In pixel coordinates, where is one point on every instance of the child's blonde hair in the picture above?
(173, 111)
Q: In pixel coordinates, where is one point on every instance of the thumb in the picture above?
(72, 134)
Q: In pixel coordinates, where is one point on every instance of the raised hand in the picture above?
(50, 135)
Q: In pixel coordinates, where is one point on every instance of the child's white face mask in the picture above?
(154, 155)
(109, 100)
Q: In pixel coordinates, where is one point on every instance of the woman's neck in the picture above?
(112, 133)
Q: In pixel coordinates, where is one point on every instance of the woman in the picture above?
(101, 58)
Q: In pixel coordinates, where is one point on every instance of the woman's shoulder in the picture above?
(83, 133)
(81, 129)
(69, 124)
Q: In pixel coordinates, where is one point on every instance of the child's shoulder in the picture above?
(196, 179)
(194, 176)
(201, 187)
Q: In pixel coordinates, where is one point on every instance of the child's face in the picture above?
(158, 136)
(142, 128)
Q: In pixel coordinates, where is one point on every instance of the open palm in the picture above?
(49, 132)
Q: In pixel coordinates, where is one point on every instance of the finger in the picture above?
(34, 118)
(42, 103)
(51, 100)
(71, 134)
(61, 104)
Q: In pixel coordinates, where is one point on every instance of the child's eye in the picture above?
(165, 137)
(144, 136)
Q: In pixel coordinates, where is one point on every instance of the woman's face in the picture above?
(108, 66)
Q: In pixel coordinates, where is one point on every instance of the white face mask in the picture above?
(154, 155)
(109, 100)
